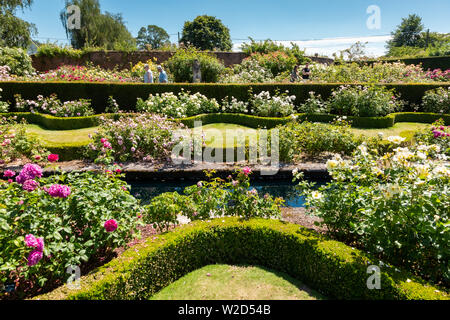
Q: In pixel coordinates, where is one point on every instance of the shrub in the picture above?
(394, 206)
(138, 70)
(4, 73)
(314, 138)
(141, 137)
(277, 62)
(53, 50)
(51, 105)
(314, 104)
(360, 101)
(249, 71)
(183, 105)
(232, 105)
(69, 213)
(15, 143)
(265, 105)
(437, 100)
(180, 65)
(438, 134)
(18, 61)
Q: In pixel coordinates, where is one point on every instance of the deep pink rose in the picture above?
(110, 225)
(53, 158)
(34, 257)
(247, 171)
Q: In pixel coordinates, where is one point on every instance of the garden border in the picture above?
(126, 94)
(330, 267)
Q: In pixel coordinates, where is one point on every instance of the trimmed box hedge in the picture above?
(126, 94)
(330, 267)
(55, 123)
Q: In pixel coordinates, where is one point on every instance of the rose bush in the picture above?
(437, 100)
(395, 206)
(68, 212)
(53, 106)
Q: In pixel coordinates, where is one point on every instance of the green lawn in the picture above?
(396, 130)
(218, 135)
(225, 282)
(55, 138)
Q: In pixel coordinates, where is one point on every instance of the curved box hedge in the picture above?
(330, 267)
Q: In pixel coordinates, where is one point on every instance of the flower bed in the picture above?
(332, 268)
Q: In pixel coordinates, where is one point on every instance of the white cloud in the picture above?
(375, 45)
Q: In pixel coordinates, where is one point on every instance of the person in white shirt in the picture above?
(148, 76)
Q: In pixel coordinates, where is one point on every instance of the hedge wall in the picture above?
(126, 94)
(432, 63)
(330, 267)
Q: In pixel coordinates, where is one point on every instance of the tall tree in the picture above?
(408, 33)
(15, 32)
(207, 33)
(96, 29)
(154, 36)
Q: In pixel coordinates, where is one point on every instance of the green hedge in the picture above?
(54, 123)
(126, 94)
(432, 63)
(330, 267)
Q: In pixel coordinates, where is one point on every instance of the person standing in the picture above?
(294, 74)
(162, 75)
(148, 76)
(306, 72)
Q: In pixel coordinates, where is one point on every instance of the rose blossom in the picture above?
(247, 171)
(34, 257)
(9, 174)
(110, 225)
(59, 191)
(53, 158)
(29, 172)
(30, 185)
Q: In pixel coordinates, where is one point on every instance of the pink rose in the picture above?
(247, 171)
(110, 225)
(9, 174)
(34, 257)
(53, 158)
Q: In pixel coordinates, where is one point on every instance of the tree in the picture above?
(154, 36)
(97, 30)
(408, 33)
(15, 32)
(356, 52)
(207, 33)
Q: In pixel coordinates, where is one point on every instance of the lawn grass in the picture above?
(60, 137)
(396, 130)
(226, 135)
(226, 282)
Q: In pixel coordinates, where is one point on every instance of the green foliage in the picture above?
(408, 33)
(181, 63)
(360, 101)
(276, 62)
(207, 33)
(268, 46)
(17, 60)
(15, 143)
(314, 138)
(437, 100)
(72, 228)
(330, 267)
(394, 206)
(278, 105)
(97, 29)
(4, 106)
(437, 134)
(15, 32)
(152, 37)
(54, 50)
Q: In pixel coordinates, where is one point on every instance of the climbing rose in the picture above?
(59, 191)
(30, 185)
(53, 158)
(110, 225)
(34, 257)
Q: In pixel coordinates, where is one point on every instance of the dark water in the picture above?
(285, 189)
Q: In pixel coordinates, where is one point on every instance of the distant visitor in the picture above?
(148, 76)
(197, 78)
(306, 72)
(162, 75)
(294, 74)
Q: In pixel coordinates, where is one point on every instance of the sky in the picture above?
(319, 26)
